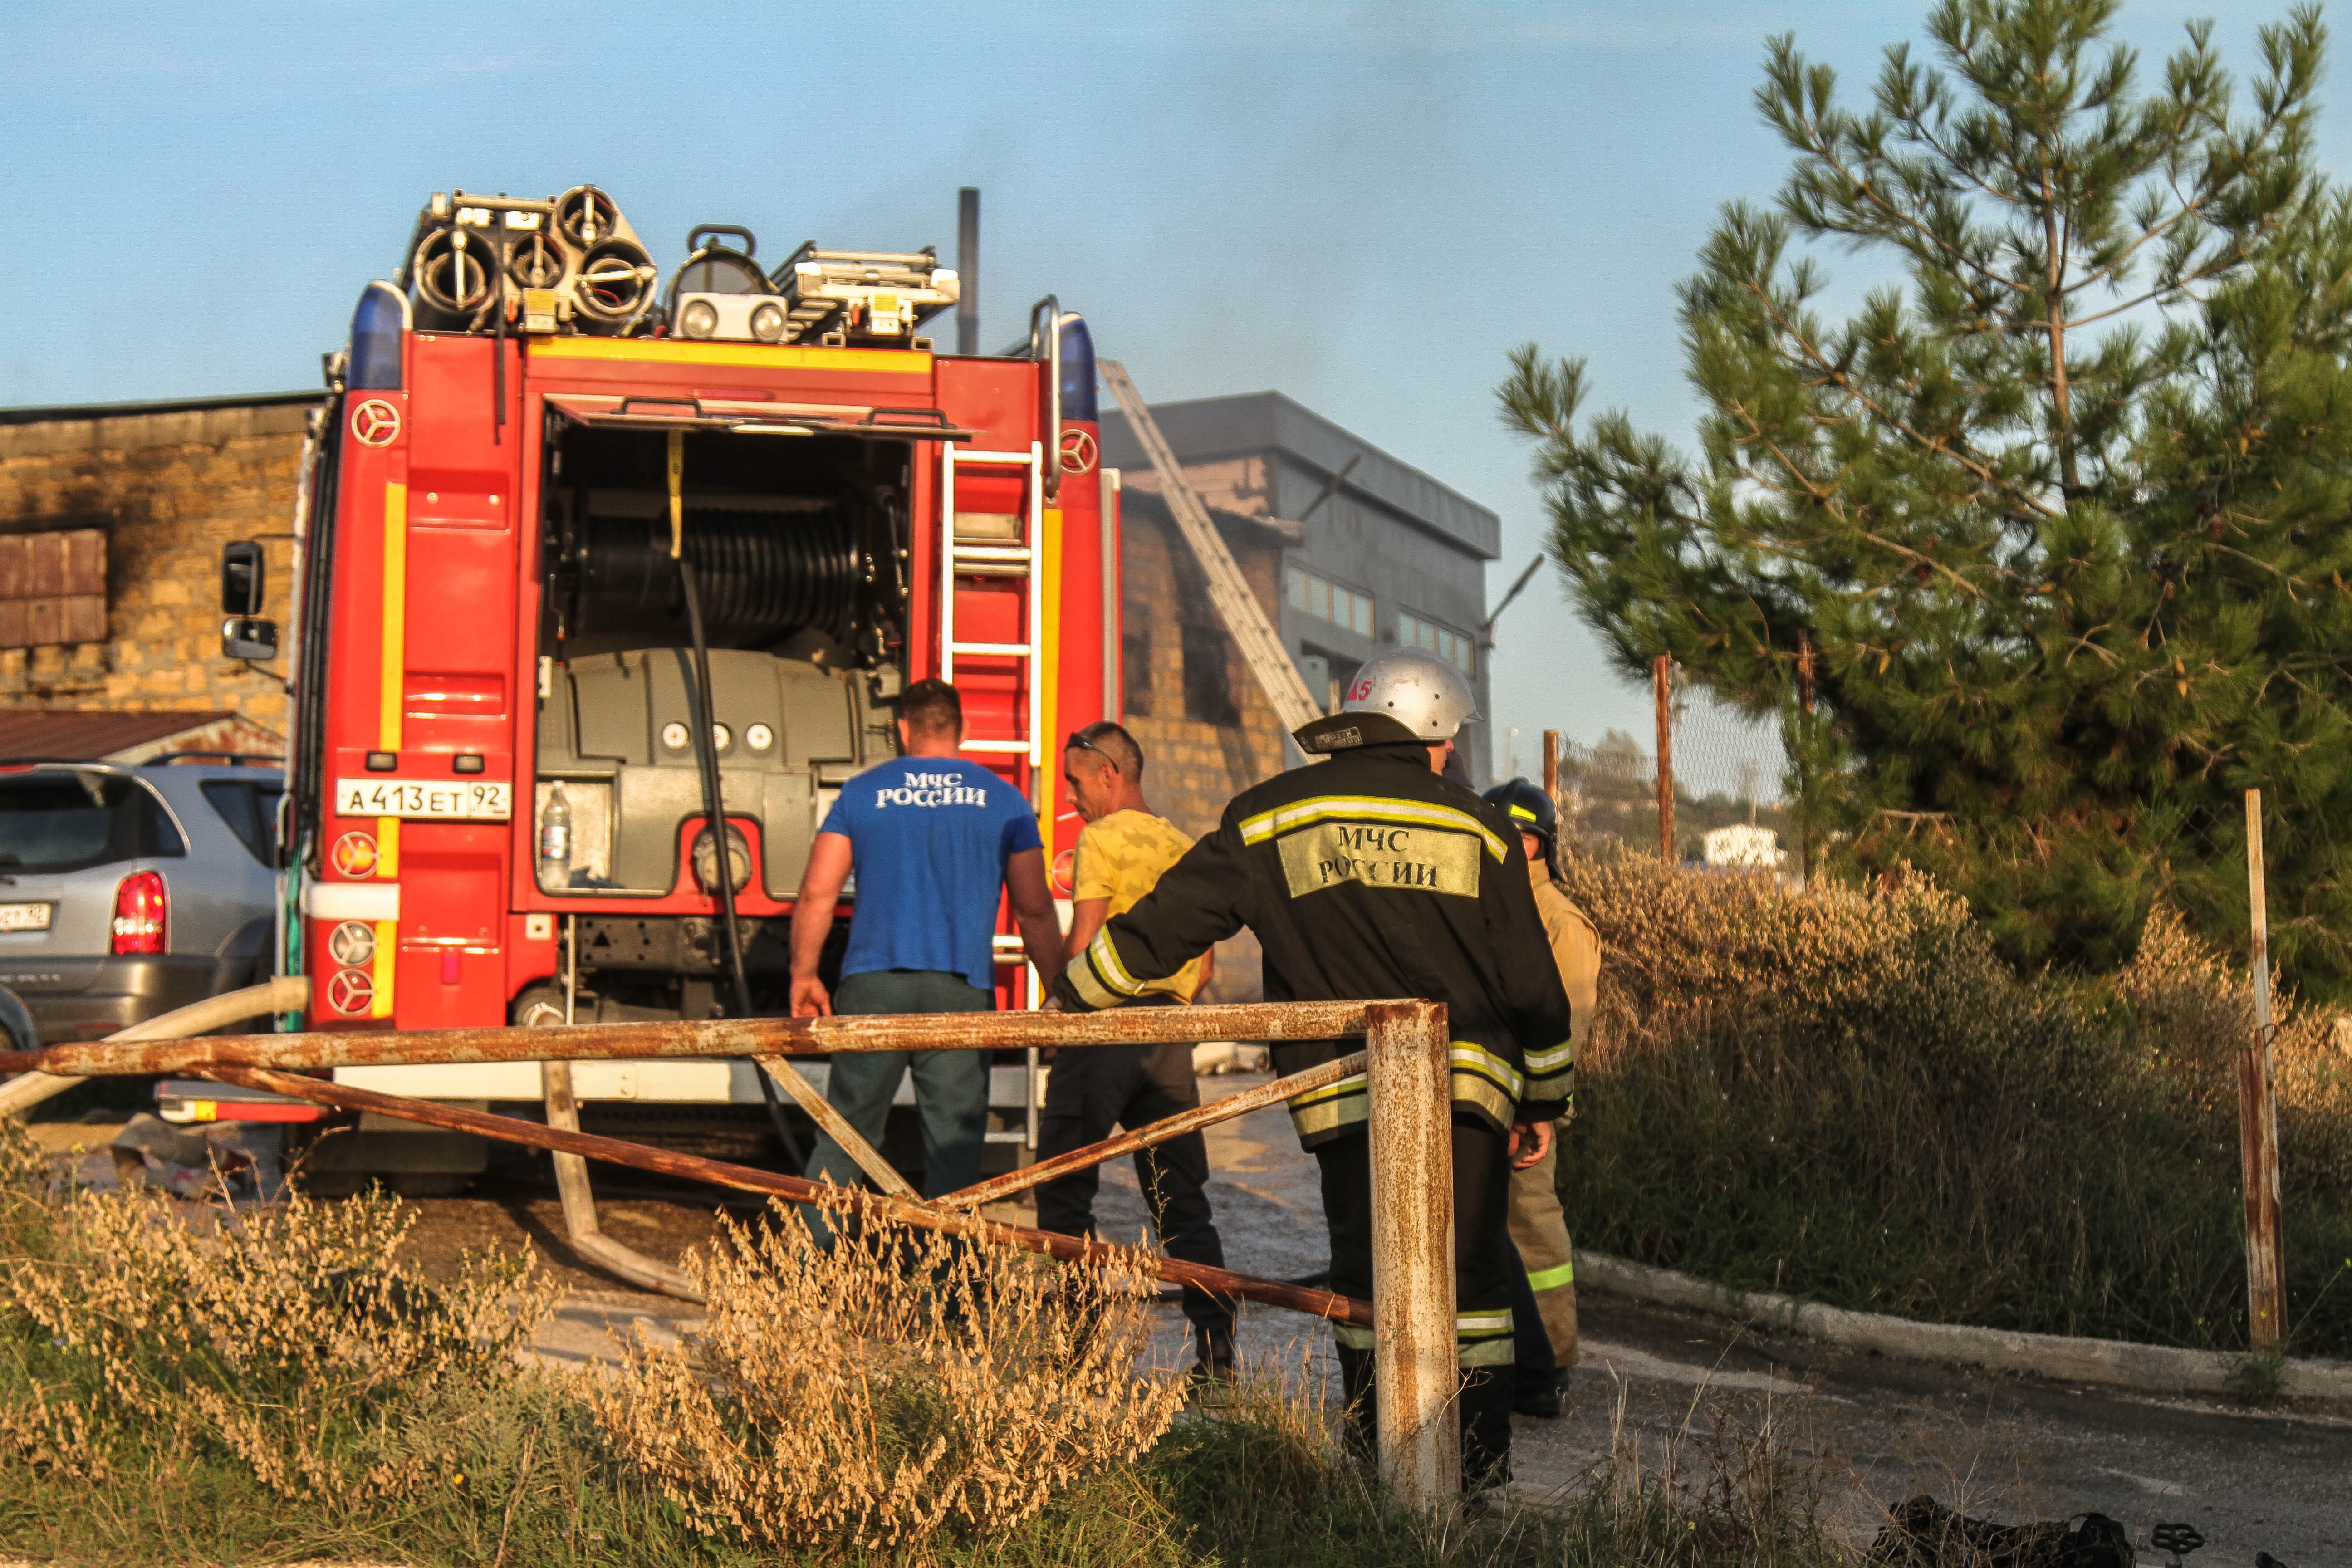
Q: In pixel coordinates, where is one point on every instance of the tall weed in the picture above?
(1845, 1093)
(286, 1339)
(894, 1384)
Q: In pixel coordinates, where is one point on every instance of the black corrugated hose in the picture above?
(722, 860)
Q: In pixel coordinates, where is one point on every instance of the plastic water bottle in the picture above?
(555, 842)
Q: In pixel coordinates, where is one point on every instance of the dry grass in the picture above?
(285, 1338)
(273, 1387)
(893, 1385)
(1845, 1093)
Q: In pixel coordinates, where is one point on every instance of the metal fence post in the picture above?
(2258, 1150)
(1414, 1370)
(1662, 682)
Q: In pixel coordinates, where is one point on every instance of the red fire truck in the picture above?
(606, 585)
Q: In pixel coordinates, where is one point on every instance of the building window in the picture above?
(1208, 678)
(1135, 667)
(52, 588)
(1327, 601)
(1328, 675)
(1430, 637)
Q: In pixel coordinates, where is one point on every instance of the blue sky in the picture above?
(1364, 205)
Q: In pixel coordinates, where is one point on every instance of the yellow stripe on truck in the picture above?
(766, 356)
(1046, 669)
(387, 951)
(391, 692)
(396, 616)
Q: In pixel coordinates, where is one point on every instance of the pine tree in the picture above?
(2040, 557)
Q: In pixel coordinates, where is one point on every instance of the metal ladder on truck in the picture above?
(975, 548)
(977, 545)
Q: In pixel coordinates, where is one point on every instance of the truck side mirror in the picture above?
(244, 634)
(241, 578)
(248, 636)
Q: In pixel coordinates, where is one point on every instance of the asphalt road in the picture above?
(1683, 1395)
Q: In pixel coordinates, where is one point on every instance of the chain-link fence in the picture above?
(1725, 772)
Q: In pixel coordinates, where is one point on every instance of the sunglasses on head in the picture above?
(1078, 743)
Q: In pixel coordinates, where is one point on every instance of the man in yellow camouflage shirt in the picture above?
(1121, 853)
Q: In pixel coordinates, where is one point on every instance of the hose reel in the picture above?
(586, 217)
(764, 573)
(536, 261)
(471, 252)
(615, 282)
(454, 273)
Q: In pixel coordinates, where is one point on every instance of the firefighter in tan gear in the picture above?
(1370, 875)
(1538, 1228)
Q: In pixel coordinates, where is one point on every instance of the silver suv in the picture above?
(127, 892)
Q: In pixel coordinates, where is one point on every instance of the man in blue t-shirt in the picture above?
(932, 836)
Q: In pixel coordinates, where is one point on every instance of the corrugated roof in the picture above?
(91, 736)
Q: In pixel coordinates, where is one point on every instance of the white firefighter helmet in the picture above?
(1406, 695)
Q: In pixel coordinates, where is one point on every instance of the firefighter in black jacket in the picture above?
(1367, 877)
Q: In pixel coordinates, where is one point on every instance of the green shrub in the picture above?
(1846, 1094)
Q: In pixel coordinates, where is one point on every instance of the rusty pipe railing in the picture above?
(735, 1037)
(280, 995)
(1149, 1135)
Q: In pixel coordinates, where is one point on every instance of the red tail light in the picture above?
(141, 911)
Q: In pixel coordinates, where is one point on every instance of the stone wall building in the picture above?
(163, 486)
(1187, 696)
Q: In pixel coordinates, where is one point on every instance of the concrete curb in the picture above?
(2116, 1364)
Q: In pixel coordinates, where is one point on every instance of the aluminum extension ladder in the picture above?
(1017, 559)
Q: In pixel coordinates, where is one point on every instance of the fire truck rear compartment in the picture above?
(797, 548)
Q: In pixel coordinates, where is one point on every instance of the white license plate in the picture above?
(434, 800)
(25, 917)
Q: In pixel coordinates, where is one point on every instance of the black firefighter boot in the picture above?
(1485, 1407)
(1534, 1373)
(1210, 1382)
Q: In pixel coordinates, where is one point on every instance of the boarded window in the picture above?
(1208, 678)
(1135, 670)
(52, 588)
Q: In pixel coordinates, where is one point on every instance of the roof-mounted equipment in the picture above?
(863, 297)
(567, 263)
(719, 294)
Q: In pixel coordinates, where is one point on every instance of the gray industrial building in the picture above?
(1374, 553)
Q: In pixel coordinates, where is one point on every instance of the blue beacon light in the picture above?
(376, 329)
(1078, 369)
